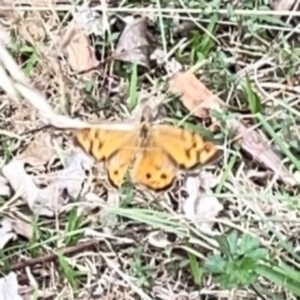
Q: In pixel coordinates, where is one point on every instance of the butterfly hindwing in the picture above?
(153, 168)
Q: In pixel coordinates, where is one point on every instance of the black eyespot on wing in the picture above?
(148, 175)
(163, 176)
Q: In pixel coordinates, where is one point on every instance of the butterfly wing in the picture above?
(153, 168)
(186, 149)
(115, 148)
(118, 166)
(103, 144)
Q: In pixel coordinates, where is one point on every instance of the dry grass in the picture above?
(122, 261)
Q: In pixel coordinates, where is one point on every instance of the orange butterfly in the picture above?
(153, 153)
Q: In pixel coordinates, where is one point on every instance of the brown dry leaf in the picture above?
(198, 99)
(39, 150)
(256, 143)
(80, 54)
(133, 45)
(282, 4)
(193, 94)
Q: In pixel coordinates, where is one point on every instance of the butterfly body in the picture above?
(152, 154)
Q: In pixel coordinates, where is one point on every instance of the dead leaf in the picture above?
(71, 177)
(255, 143)
(133, 45)
(193, 94)
(80, 55)
(199, 100)
(158, 239)
(149, 101)
(91, 21)
(47, 201)
(4, 188)
(29, 292)
(39, 150)
(109, 219)
(22, 228)
(23, 184)
(6, 234)
(200, 208)
(208, 180)
(9, 287)
(4, 34)
(282, 4)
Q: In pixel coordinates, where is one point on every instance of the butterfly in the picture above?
(152, 153)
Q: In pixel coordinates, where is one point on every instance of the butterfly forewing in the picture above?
(186, 148)
(103, 144)
(115, 148)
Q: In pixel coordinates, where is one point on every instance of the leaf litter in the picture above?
(133, 44)
(48, 201)
(200, 101)
(201, 207)
(80, 55)
(4, 187)
(6, 233)
(9, 287)
(282, 4)
(195, 97)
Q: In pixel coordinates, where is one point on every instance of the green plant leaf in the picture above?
(67, 271)
(195, 268)
(215, 264)
(252, 98)
(279, 279)
(248, 243)
(132, 100)
(291, 272)
(257, 254)
(229, 243)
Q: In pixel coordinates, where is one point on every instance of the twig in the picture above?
(52, 256)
